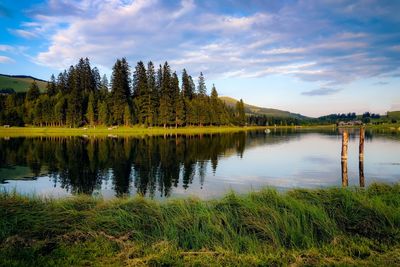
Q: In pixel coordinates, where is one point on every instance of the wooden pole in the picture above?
(361, 147)
(361, 157)
(345, 143)
(361, 172)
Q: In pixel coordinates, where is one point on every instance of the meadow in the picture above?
(334, 226)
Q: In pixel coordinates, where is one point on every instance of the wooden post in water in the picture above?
(361, 157)
(345, 143)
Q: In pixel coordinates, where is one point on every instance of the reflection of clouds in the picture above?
(320, 159)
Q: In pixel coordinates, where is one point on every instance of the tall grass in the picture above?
(301, 227)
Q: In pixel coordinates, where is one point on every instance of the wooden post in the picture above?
(361, 172)
(361, 147)
(361, 157)
(345, 143)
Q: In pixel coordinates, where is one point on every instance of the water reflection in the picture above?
(82, 165)
(159, 166)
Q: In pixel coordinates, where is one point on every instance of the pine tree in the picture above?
(187, 88)
(91, 113)
(104, 86)
(201, 87)
(180, 113)
(153, 96)
(60, 111)
(141, 94)
(165, 100)
(33, 92)
(120, 90)
(74, 112)
(127, 115)
(51, 86)
(174, 96)
(240, 113)
(215, 107)
(103, 112)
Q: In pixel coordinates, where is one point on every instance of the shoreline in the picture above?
(154, 131)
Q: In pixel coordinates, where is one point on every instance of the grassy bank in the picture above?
(119, 131)
(300, 227)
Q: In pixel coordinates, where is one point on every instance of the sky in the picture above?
(308, 57)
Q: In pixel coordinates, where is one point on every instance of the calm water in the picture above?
(205, 166)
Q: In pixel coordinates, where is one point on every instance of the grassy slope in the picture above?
(120, 131)
(250, 109)
(19, 84)
(394, 114)
(315, 227)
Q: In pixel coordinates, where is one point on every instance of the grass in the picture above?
(300, 227)
(19, 84)
(120, 131)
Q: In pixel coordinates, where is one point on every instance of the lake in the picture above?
(205, 166)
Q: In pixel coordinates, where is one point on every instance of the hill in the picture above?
(20, 83)
(254, 110)
(393, 114)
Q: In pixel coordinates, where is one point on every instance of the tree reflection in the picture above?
(148, 165)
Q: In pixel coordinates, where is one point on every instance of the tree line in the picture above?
(79, 96)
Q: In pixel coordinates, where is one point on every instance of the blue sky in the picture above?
(310, 57)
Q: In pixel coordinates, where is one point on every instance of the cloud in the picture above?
(4, 59)
(6, 48)
(321, 92)
(381, 83)
(302, 39)
(23, 33)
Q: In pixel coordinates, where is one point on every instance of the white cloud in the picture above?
(191, 36)
(23, 33)
(4, 59)
(5, 48)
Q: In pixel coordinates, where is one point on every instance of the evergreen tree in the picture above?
(176, 103)
(74, 112)
(120, 90)
(216, 107)
(91, 114)
(165, 100)
(103, 112)
(153, 96)
(240, 113)
(104, 85)
(127, 115)
(62, 82)
(180, 113)
(141, 94)
(201, 87)
(96, 79)
(51, 86)
(187, 88)
(33, 92)
(60, 111)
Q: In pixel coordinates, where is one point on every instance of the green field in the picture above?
(330, 227)
(19, 84)
(393, 115)
(119, 131)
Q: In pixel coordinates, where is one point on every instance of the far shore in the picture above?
(12, 131)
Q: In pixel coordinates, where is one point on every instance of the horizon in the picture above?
(312, 58)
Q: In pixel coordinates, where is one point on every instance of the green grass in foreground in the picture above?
(120, 131)
(301, 227)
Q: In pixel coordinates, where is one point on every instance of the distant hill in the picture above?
(393, 114)
(254, 110)
(19, 83)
